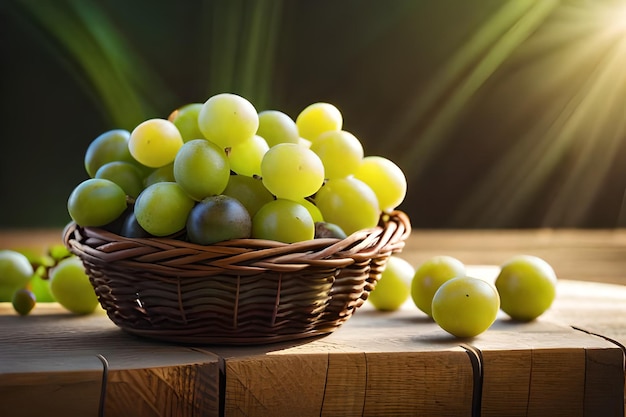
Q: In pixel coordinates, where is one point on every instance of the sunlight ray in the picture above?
(492, 45)
(459, 63)
(597, 150)
(585, 132)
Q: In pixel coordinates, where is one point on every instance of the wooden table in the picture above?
(570, 362)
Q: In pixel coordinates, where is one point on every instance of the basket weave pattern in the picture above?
(239, 291)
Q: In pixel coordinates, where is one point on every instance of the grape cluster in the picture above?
(221, 170)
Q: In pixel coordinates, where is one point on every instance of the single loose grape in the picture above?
(23, 301)
(348, 203)
(201, 168)
(527, 287)
(162, 208)
(318, 118)
(340, 151)
(108, 147)
(465, 306)
(292, 171)
(245, 157)
(249, 191)
(430, 275)
(185, 118)
(385, 178)
(96, 202)
(15, 273)
(218, 218)
(228, 119)
(124, 174)
(394, 286)
(155, 142)
(283, 221)
(70, 286)
(277, 127)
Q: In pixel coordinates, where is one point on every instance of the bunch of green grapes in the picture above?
(286, 179)
(28, 278)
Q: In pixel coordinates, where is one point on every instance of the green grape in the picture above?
(110, 146)
(430, 275)
(283, 221)
(161, 174)
(315, 212)
(348, 203)
(185, 119)
(228, 119)
(277, 127)
(201, 168)
(245, 157)
(292, 171)
(41, 289)
(155, 142)
(340, 151)
(71, 288)
(249, 191)
(318, 118)
(394, 286)
(96, 202)
(385, 178)
(15, 273)
(162, 208)
(218, 218)
(23, 301)
(527, 287)
(465, 306)
(124, 174)
(58, 252)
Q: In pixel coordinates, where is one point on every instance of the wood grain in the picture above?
(53, 356)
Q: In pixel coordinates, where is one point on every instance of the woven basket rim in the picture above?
(242, 255)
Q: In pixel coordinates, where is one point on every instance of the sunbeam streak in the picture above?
(572, 87)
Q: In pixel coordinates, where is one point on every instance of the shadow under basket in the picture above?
(243, 291)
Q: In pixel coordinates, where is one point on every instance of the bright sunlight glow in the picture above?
(616, 19)
(559, 65)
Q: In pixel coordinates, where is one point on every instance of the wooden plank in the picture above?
(49, 392)
(604, 383)
(346, 385)
(59, 352)
(598, 309)
(375, 365)
(553, 370)
(190, 389)
(275, 385)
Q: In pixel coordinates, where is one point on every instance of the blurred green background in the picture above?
(502, 113)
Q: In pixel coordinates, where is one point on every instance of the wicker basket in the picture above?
(236, 292)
